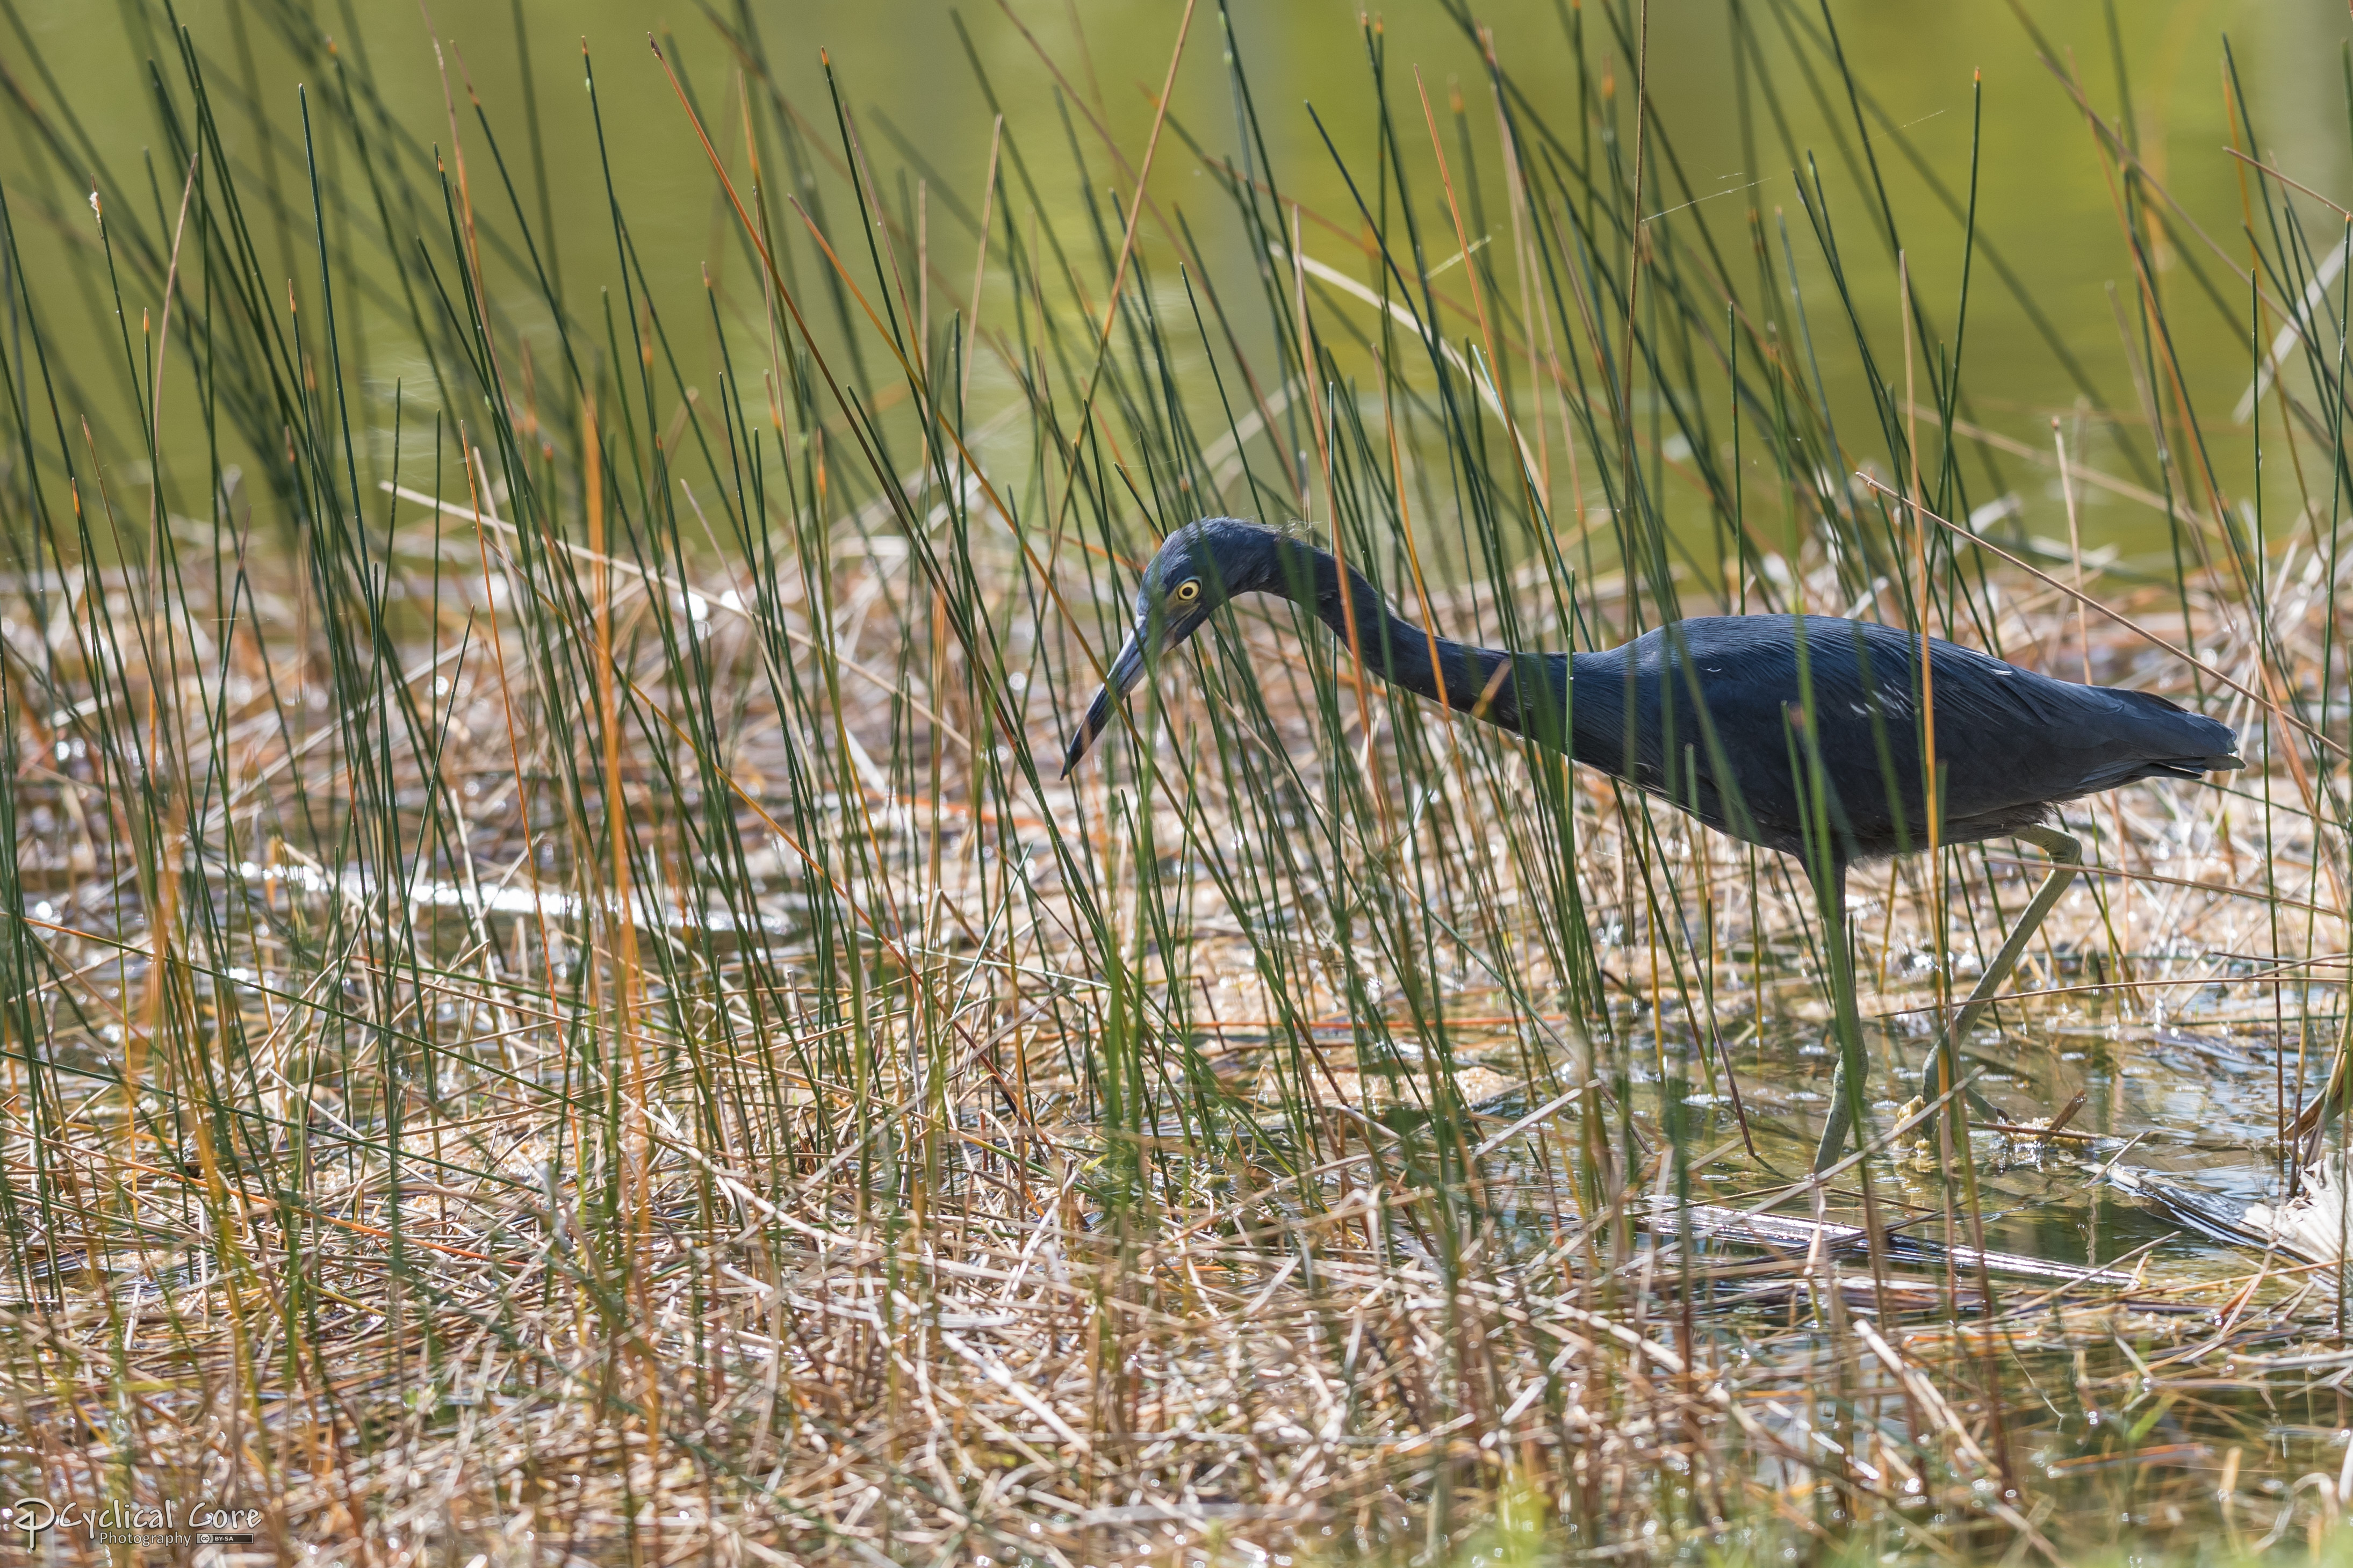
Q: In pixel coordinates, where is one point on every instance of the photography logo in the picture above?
(116, 1522)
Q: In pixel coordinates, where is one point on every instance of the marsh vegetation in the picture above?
(555, 1008)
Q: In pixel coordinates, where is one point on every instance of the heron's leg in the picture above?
(2066, 853)
(1851, 1079)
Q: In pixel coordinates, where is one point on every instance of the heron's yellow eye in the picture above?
(1188, 591)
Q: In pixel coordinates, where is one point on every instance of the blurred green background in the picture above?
(912, 72)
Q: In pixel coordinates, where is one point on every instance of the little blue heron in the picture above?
(1800, 734)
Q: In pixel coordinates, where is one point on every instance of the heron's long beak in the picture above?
(1125, 671)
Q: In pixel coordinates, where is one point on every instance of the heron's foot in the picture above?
(1932, 1085)
(1918, 1153)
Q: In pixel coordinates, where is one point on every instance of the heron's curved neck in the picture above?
(1525, 693)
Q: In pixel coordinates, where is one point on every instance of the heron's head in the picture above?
(1197, 568)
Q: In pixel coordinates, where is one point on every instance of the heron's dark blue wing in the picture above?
(2016, 736)
(1734, 713)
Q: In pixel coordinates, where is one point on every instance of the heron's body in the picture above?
(1734, 719)
(1723, 728)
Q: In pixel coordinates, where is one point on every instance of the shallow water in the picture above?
(2118, 1414)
